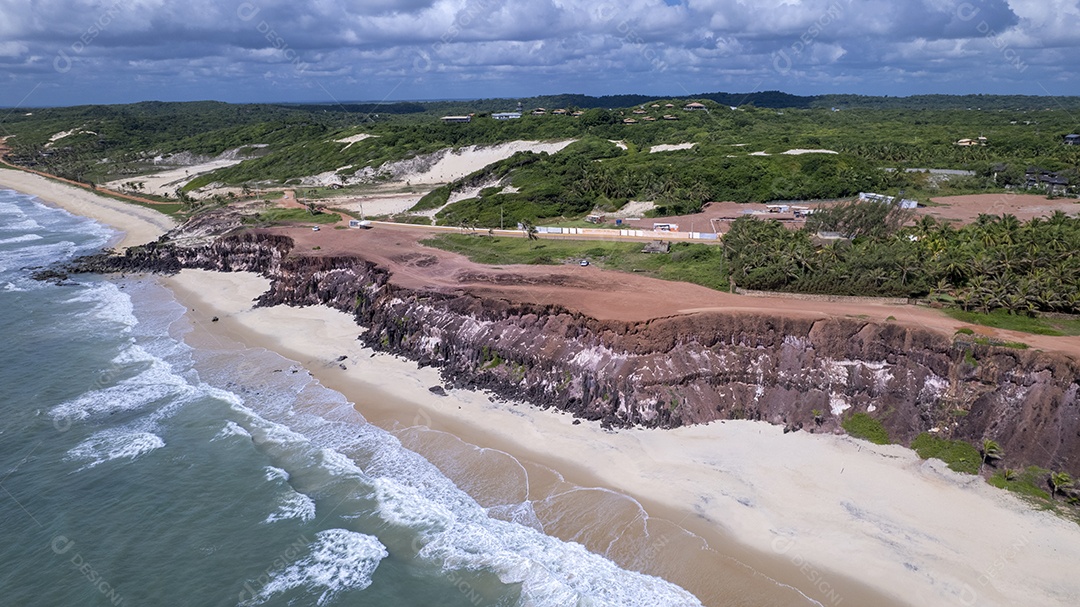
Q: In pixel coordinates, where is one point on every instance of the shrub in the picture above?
(861, 425)
(959, 455)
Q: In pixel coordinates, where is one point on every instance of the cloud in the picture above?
(246, 50)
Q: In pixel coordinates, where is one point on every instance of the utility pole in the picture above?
(501, 217)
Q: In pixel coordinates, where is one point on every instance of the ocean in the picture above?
(137, 470)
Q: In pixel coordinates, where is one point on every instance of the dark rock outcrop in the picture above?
(799, 373)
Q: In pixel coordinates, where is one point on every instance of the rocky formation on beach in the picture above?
(801, 373)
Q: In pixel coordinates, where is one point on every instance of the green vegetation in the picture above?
(285, 142)
(1046, 489)
(996, 263)
(959, 455)
(694, 263)
(861, 425)
(1002, 319)
(1030, 482)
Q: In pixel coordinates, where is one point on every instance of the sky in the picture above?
(69, 52)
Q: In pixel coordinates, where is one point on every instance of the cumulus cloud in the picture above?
(73, 51)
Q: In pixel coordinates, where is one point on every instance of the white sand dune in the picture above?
(166, 182)
(670, 147)
(353, 139)
(447, 165)
(798, 151)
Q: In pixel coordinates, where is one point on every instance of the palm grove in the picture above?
(997, 262)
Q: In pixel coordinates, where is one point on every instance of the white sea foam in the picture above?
(115, 443)
(293, 505)
(403, 506)
(23, 225)
(108, 302)
(17, 239)
(274, 473)
(339, 560)
(231, 429)
(35, 255)
(156, 382)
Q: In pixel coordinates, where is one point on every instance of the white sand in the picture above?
(798, 151)
(166, 182)
(815, 506)
(353, 139)
(454, 164)
(139, 224)
(670, 147)
(376, 204)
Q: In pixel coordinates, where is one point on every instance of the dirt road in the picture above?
(606, 294)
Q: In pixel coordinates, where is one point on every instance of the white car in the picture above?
(584, 262)
(314, 228)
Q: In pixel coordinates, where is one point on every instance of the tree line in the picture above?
(997, 262)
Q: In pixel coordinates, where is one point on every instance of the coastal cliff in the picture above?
(801, 373)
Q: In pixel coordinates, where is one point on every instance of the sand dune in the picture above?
(166, 182)
(454, 164)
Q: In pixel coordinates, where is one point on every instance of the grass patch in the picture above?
(694, 263)
(294, 216)
(861, 425)
(1000, 319)
(959, 455)
(1029, 482)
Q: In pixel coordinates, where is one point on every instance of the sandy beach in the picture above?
(138, 224)
(810, 511)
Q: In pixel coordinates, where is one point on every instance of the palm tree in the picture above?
(529, 229)
(991, 452)
(1059, 482)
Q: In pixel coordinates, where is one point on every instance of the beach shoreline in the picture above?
(138, 225)
(395, 394)
(812, 511)
(891, 528)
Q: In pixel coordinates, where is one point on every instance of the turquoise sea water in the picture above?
(135, 470)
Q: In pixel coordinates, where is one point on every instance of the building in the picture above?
(1042, 179)
(1072, 139)
(539, 112)
(506, 115)
(670, 117)
(904, 202)
(629, 121)
(454, 119)
(971, 142)
(695, 107)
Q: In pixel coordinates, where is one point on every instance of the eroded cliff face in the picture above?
(803, 374)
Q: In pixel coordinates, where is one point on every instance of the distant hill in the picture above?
(763, 99)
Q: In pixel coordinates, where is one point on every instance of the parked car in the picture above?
(584, 262)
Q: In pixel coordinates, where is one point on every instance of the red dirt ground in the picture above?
(967, 209)
(605, 294)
